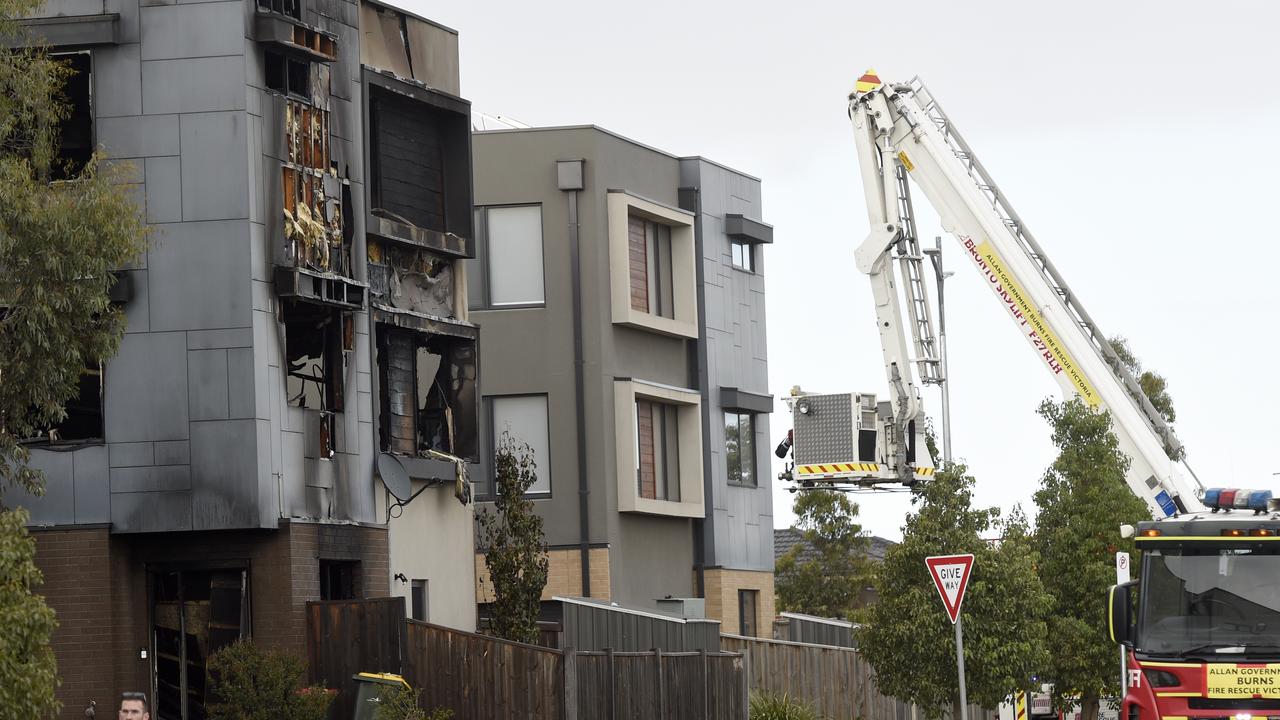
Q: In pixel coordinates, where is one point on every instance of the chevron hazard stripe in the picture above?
(925, 471)
(835, 468)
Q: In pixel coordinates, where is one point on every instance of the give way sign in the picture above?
(951, 576)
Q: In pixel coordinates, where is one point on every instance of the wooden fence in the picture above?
(482, 677)
(350, 636)
(478, 676)
(656, 685)
(835, 680)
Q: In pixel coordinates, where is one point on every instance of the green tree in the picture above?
(1083, 500)
(1153, 385)
(248, 683)
(906, 635)
(830, 582)
(59, 242)
(514, 546)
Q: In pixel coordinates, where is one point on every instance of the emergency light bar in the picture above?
(1228, 499)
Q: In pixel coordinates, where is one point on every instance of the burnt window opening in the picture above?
(288, 8)
(75, 142)
(428, 393)
(420, 166)
(339, 579)
(316, 340)
(84, 420)
(287, 75)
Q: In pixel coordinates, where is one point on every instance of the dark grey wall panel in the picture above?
(224, 474)
(146, 393)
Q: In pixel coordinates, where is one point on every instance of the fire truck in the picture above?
(1201, 625)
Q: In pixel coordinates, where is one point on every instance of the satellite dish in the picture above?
(394, 476)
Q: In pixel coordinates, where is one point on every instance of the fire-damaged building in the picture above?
(292, 414)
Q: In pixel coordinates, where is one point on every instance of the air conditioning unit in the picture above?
(684, 607)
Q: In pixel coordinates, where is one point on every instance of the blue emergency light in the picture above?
(1228, 499)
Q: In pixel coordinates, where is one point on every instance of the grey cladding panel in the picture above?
(146, 389)
(224, 474)
(208, 260)
(825, 433)
(93, 485)
(188, 31)
(150, 512)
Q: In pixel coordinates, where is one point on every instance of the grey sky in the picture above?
(1139, 140)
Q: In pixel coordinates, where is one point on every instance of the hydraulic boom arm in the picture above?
(901, 131)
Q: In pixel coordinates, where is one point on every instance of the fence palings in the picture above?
(837, 681)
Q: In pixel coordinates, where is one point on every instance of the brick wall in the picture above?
(77, 585)
(721, 588)
(564, 574)
(97, 584)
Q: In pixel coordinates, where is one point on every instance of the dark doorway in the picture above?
(194, 613)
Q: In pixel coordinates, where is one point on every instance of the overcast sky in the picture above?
(1138, 140)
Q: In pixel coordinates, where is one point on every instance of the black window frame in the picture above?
(751, 628)
(753, 455)
(748, 255)
(67, 166)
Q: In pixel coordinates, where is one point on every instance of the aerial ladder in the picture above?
(904, 138)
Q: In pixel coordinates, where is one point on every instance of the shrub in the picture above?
(400, 703)
(773, 706)
(247, 683)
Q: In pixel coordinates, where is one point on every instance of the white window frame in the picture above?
(689, 418)
(684, 322)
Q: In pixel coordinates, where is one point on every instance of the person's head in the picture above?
(133, 706)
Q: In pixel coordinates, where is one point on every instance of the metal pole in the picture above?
(964, 699)
(935, 254)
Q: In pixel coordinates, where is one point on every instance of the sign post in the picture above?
(950, 575)
(1122, 577)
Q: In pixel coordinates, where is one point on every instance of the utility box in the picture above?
(684, 607)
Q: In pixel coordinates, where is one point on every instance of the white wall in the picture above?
(434, 540)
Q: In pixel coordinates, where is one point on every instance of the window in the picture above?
(428, 393)
(657, 450)
(740, 448)
(338, 579)
(511, 271)
(743, 255)
(75, 143)
(524, 417)
(287, 75)
(291, 8)
(84, 412)
(315, 338)
(649, 255)
(747, 602)
(418, 600)
(652, 283)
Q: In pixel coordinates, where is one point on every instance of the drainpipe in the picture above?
(691, 200)
(569, 177)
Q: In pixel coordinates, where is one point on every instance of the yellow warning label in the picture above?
(906, 161)
(835, 468)
(1242, 681)
(1033, 325)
